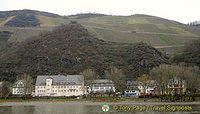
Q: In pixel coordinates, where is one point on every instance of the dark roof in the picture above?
(134, 83)
(60, 79)
(103, 81)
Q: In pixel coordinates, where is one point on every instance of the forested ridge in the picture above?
(70, 49)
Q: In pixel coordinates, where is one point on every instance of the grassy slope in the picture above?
(152, 30)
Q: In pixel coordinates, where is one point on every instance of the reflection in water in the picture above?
(75, 109)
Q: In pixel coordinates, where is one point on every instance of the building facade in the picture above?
(21, 87)
(132, 93)
(59, 85)
(176, 86)
(102, 86)
(135, 85)
(151, 87)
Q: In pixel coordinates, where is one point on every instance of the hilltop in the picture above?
(71, 49)
(166, 35)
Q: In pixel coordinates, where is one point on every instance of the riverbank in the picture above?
(32, 103)
(90, 101)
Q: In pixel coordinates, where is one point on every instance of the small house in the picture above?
(21, 87)
(135, 85)
(132, 93)
(102, 86)
(176, 86)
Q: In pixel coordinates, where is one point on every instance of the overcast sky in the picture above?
(179, 10)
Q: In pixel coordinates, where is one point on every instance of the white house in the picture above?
(132, 93)
(19, 88)
(135, 85)
(59, 85)
(102, 86)
(151, 86)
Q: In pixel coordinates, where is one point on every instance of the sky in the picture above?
(183, 11)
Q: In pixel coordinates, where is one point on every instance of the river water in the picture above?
(96, 108)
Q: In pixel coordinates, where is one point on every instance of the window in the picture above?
(96, 87)
(53, 91)
(106, 87)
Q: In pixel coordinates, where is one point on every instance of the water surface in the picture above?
(79, 108)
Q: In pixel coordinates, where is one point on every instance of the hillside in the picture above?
(190, 54)
(23, 20)
(72, 49)
(166, 35)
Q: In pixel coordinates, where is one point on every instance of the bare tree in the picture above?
(5, 89)
(118, 77)
(89, 77)
(144, 79)
(164, 73)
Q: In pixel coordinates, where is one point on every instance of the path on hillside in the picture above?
(160, 47)
(154, 33)
(48, 28)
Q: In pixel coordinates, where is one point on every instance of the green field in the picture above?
(165, 39)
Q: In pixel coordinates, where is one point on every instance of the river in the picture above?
(96, 108)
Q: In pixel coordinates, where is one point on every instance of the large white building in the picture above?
(59, 85)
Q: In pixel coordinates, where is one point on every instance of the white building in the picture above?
(59, 85)
(20, 88)
(132, 93)
(102, 86)
(151, 86)
(132, 85)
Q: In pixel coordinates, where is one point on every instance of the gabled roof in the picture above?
(60, 79)
(100, 81)
(17, 83)
(134, 83)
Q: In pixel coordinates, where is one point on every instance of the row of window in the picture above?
(59, 87)
(101, 87)
(65, 90)
(18, 92)
(60, 90)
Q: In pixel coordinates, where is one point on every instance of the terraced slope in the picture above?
(164, 34)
